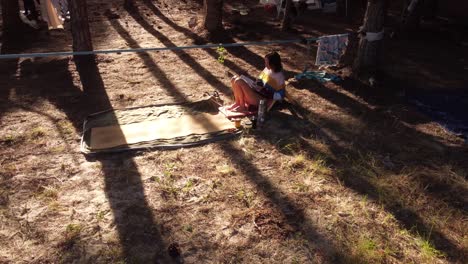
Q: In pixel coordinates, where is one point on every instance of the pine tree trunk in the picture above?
(213, 11)
(10, 16)
(369, 52)
(286, 23)
(80, 28)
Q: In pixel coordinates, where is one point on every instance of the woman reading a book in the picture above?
(269, 85)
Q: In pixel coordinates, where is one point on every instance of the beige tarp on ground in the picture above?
(157, 126)
(118, 135)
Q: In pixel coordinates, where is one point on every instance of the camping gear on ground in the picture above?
(320, 76)
(158, 126)
(247, 123)
(261, 112)
(330, 49)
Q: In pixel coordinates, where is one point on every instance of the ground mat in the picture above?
(156, 126)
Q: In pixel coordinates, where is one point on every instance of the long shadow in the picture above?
(283, 204)
(407, 217)
(240, 52)
(410, 222)
(184, 56)
(133, 217)
(8, 69)
(374, 110)
(292, 212)
(156, 71)
(137, 229)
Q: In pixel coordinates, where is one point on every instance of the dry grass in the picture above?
(340, 182)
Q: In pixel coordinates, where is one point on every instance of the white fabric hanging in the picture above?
(50, 15)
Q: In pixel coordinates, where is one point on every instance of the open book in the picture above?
(251, 83)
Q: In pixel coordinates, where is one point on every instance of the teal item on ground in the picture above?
(319, 76)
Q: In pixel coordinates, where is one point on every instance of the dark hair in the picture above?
(274, 60)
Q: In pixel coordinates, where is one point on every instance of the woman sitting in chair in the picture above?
(269, 85)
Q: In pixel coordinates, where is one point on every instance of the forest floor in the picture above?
(343, 174)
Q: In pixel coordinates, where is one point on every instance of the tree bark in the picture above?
(213, 12)
(80, 28)
(286, 23)
(10, 15)
(369, 52)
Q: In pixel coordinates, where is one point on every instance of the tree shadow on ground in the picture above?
(390, 136)
(50, 79)
(240, 52)
(184, 56)
(280, 202)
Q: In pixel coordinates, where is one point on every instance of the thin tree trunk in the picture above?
(80, 28)
(412, 15)
(369, 52)
(10, 15)
(213, 12)
(286, 23)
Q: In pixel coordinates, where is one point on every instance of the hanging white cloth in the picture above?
(50, 14)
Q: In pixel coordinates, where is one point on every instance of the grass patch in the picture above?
(11, 139)
(428, 250)
(37, 133)
(167, 182)
(189, 184)
(113, 254)
(289, 147)
(368, 251)
(54, 206)
(225, 170)
(301, 187)
(7, 171)
(363, 165)
(246, 197)
(58, 149)
(73, 230)
(188, 228)
(100, 215)
(66, 127)
(169, 169)
(49, 193)
(299, 161)
(318, 166)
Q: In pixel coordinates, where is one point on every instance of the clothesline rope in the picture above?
(139, 50)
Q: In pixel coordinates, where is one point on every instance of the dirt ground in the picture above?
(344, 173)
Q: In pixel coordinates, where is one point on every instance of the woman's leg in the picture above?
(237, 93)
(247, 96)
